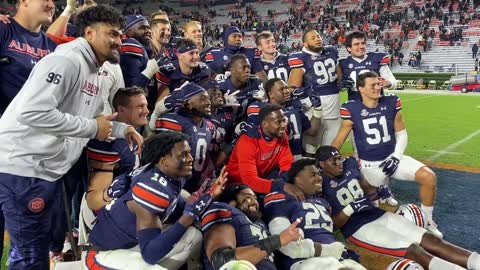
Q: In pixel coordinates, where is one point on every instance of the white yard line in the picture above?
(410, 99)
(453, 146)
(445, 152)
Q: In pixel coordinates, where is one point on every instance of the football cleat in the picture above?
(413, 213)
(390, 201)
(433, 228)
(404, 264)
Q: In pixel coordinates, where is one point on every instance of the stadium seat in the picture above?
(432, 85)
(445, 85)
(400, 85)
(410, 84)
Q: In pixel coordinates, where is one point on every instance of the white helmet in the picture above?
(238, 265)
(413, 213)
(404, 264)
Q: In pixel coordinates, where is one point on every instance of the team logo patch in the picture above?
(228, 115)
(225, 57)
(350, 65)
(36, 205)
(333, 184)
(364, 113)
(265, 67)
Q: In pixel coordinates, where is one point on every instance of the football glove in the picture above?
(390, 165)
(119, 186)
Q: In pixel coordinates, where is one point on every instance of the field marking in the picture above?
(445, 152)
(453, 145)
(410, 99)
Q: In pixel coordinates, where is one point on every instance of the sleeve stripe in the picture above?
(132, 49)
(108, 158)
(209, 57)
(149, 196)
(134, 54)
(159, 193)
(147, 204)
(295, 62)
(162, 78)
(253, 110)
(398, 105)
(215, 216)
(345, 113)
(273, 196)
(163, 123)
(385, 60)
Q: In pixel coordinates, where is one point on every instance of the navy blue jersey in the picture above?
(246, 232)
(218, 59)
(373, 128)
(320, 69)
(245, 97)
(20, 50)
(352, 68)
(171, 76)
(224, 122)
(201, 141)
(133, 60)
(111, 152)
(152, 190)
(341, 192)
(276, 68)
(298, 122)
(316, 222)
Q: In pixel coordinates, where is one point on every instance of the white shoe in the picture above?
(433, 228)
(390, 201)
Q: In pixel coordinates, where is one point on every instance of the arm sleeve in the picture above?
(247, 165)
(48, 84)
(132, 70)
(387, 74)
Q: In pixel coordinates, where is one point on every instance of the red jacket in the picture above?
(253, 159)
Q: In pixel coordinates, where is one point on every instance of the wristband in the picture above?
(348, 210)
(269, 244)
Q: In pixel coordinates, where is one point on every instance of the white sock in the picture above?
(473, 261)
(439, 264)
(429, 211)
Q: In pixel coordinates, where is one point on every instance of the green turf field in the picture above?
(435, 122)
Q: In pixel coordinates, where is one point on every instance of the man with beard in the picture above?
(242, 86)
(135, 52)
(133, 231)
(376, 229)
(47, 125)
(318, 249)
(274, 63)
(262, 155)
(187, 68)
(315, 67)
(233, 230)
(219, 59)
(298, 123)
(191, 118)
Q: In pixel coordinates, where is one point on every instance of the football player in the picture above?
(360, 61)
(318, 249)
(274, 63)
(315, 67)
(298, 123)
(218, 59)
(187, 68)
(377, 230)
(191, 119)
(233, 230)
(132, 230)
(381, 139)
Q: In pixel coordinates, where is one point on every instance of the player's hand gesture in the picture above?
(291, 233)
(215, 187)
(104, 126)
(134, 138)
(231, 99)
(5, 18)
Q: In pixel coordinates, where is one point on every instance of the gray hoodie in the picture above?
(44, 129)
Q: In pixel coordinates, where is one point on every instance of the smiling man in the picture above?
(261, 155)
(47, 125)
